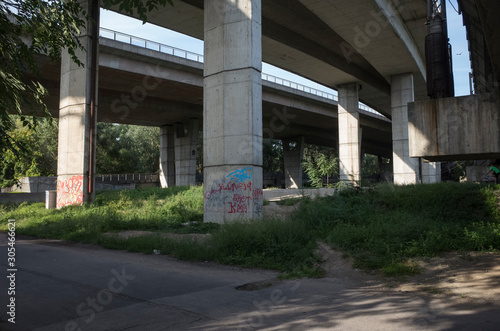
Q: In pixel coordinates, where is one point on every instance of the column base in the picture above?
(232, 193)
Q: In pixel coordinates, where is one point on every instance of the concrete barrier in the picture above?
(22, 197)
(281, 194)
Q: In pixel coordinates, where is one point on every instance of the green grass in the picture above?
(149, 209)
(383, 228)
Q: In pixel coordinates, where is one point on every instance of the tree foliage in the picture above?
(34, 154)
(127, 149)
(137, 7)
(30, 28)
(272, 151)
(320, 163)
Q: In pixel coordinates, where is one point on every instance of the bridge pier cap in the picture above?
(232, 110)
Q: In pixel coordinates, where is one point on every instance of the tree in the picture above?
(34, 154)
(127, 149)
(370, 166)
(145, 148)
(272, 153)
(320, 162)
(30, 28)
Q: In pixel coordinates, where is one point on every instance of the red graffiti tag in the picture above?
(236, 186)
(70, 191)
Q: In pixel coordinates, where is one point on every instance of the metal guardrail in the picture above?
(148, 44)
(166, 49)
(297, 86)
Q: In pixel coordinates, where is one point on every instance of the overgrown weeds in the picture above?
(387, 226)
(382, 228)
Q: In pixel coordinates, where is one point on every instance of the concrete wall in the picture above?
(103, 182)
(22, 197)
(456, 128)
(280, 194)
(35, 184)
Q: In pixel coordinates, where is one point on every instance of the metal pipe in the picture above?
(94, 35)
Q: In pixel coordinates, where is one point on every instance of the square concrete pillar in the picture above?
(292, 159)
(77, 117)
(349, 133)
(431, 172)
(232, 133)
(405, 167)
(186, 141)
(167, 156)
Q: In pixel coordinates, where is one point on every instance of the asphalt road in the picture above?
(64, 286)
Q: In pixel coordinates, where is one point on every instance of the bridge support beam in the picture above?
(349, 133)
(167, 156)
(77, 117)
(292, 159)
(232, 111)
(186, 141)
(406, 169)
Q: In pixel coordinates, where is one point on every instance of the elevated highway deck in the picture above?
(145, 83)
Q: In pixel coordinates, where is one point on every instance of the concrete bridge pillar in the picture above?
(431, 172)
(167, 156)
(349, 133)
(292, 159)
(77, 117)
(232, 130)
(186, 141)
(405, 167)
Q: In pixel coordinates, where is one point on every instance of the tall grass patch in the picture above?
(151, 209)
(385, 227)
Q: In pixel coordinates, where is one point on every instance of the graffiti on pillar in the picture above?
(214, 199)
(241, 175)
(70, 191)
(234, 195)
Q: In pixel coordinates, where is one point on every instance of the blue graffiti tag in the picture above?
(241, 175)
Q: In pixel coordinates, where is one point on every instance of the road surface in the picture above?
(67, 286)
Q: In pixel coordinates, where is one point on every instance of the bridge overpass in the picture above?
(142, 82)
(369, 50)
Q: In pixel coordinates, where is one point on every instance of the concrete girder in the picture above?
(360, 69)
(394, 18)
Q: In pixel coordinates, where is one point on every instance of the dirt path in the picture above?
(472, 277)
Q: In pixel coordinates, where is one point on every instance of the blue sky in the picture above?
(456, 31)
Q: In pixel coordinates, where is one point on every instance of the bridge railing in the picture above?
(149, 44)
(300, 87)
(166, 49)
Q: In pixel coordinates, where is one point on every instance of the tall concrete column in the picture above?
(186, 141)
(405, 167)
(292, 159)
(77, 117)
(349, 133)
(431, 172)
(167, 156)
(232, 133)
